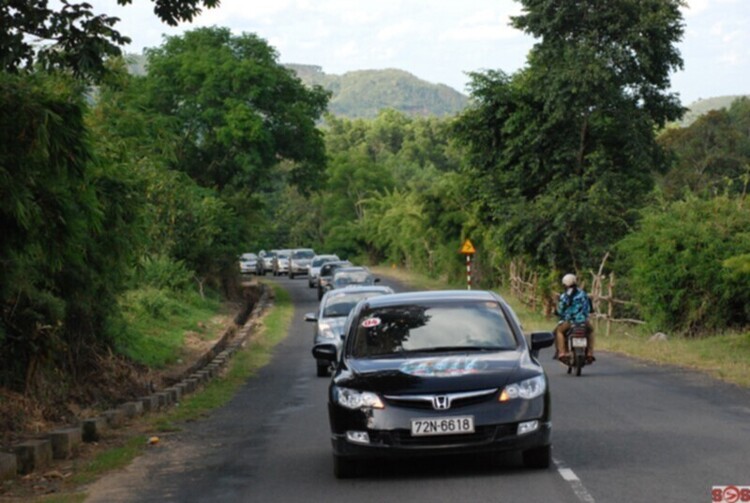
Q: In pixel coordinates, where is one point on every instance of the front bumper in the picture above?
(298, 269)
(388, 429)
(399, 443)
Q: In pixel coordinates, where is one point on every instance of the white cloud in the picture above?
(398, 30)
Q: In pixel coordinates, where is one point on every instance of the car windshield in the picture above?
(343, 278)
(319, 261)
(341, 305)
(249, 256)
(329, 269)
(303, 254)
(282, 255)
(439, 327)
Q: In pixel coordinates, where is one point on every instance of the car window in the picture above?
(448, 326)
(319, 261)
(303, 254)
(341, 305)
(282, 255)
(343, 278)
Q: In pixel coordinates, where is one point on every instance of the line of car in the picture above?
(420, 373)
(428, 373)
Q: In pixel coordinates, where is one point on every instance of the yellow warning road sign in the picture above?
(467, 248)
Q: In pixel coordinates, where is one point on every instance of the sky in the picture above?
(439, 40)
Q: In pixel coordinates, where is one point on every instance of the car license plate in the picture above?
(442, 426)
(579, 342)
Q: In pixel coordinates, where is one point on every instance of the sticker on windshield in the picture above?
(371, 322)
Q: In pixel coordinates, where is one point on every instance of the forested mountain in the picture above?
(364, 93)
(703, 106)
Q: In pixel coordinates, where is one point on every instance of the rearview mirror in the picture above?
(325, 352)
(541, 340)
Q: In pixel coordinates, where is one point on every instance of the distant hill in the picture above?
(703, 106)
(363, 93)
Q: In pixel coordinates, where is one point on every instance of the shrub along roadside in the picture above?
(724, 356)
(244, 364)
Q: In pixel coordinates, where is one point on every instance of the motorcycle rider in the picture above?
(573, 307)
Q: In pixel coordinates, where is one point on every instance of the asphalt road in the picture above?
(623, 432)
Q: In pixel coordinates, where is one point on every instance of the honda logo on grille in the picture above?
(441, 402)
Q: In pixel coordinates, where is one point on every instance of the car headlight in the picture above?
(352, 399)
(526, 390)
(326, 331)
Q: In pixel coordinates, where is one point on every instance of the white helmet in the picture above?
(569, 280)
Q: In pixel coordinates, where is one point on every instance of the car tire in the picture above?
(538, 458)
(345, 468)
(291, 275)
(320, 294)
(309, 284)
(322, 369)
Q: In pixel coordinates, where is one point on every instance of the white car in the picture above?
(248, 263)
(313, 270)
(299, 261)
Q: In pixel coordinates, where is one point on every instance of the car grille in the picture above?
(425, 402)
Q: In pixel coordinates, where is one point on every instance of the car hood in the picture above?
(434, 373)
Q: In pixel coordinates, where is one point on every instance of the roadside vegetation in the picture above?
(245, 363)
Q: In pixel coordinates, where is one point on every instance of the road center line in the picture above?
(571, 478)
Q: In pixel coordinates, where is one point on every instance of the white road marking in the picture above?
(571, 478)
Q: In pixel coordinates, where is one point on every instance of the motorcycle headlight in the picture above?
(526, 390)
(352, 399)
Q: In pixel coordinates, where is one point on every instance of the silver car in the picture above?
(281, 262)
(331, 316)
(299, 261)
(313, 270)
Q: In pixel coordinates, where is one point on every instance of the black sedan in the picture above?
(428, 373)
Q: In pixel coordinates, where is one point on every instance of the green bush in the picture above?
(162, 272)
(678, 264)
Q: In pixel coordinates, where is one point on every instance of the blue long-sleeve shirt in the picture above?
(573, 306)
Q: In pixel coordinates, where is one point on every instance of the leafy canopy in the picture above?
(72, 36)
(237, 111)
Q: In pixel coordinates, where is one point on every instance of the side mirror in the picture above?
(325, 352)
(377, 280)
(311, 317)
(541, 340)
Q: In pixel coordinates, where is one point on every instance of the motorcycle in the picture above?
(577, 341)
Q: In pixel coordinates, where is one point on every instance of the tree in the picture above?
(70, 231)
(236, 110)
(686, 264)
(563, 152)
(712, 155)
(75, 38)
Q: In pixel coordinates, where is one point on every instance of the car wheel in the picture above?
(322, 369)
(320, 294)
(309, 284)
(291, 275)
(539, 457)
(345, 468)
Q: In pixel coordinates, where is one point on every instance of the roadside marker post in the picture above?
(468, 249)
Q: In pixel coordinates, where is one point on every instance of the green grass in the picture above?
(243, 365)
(109, 460)
(723, 356)
(157, 321)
